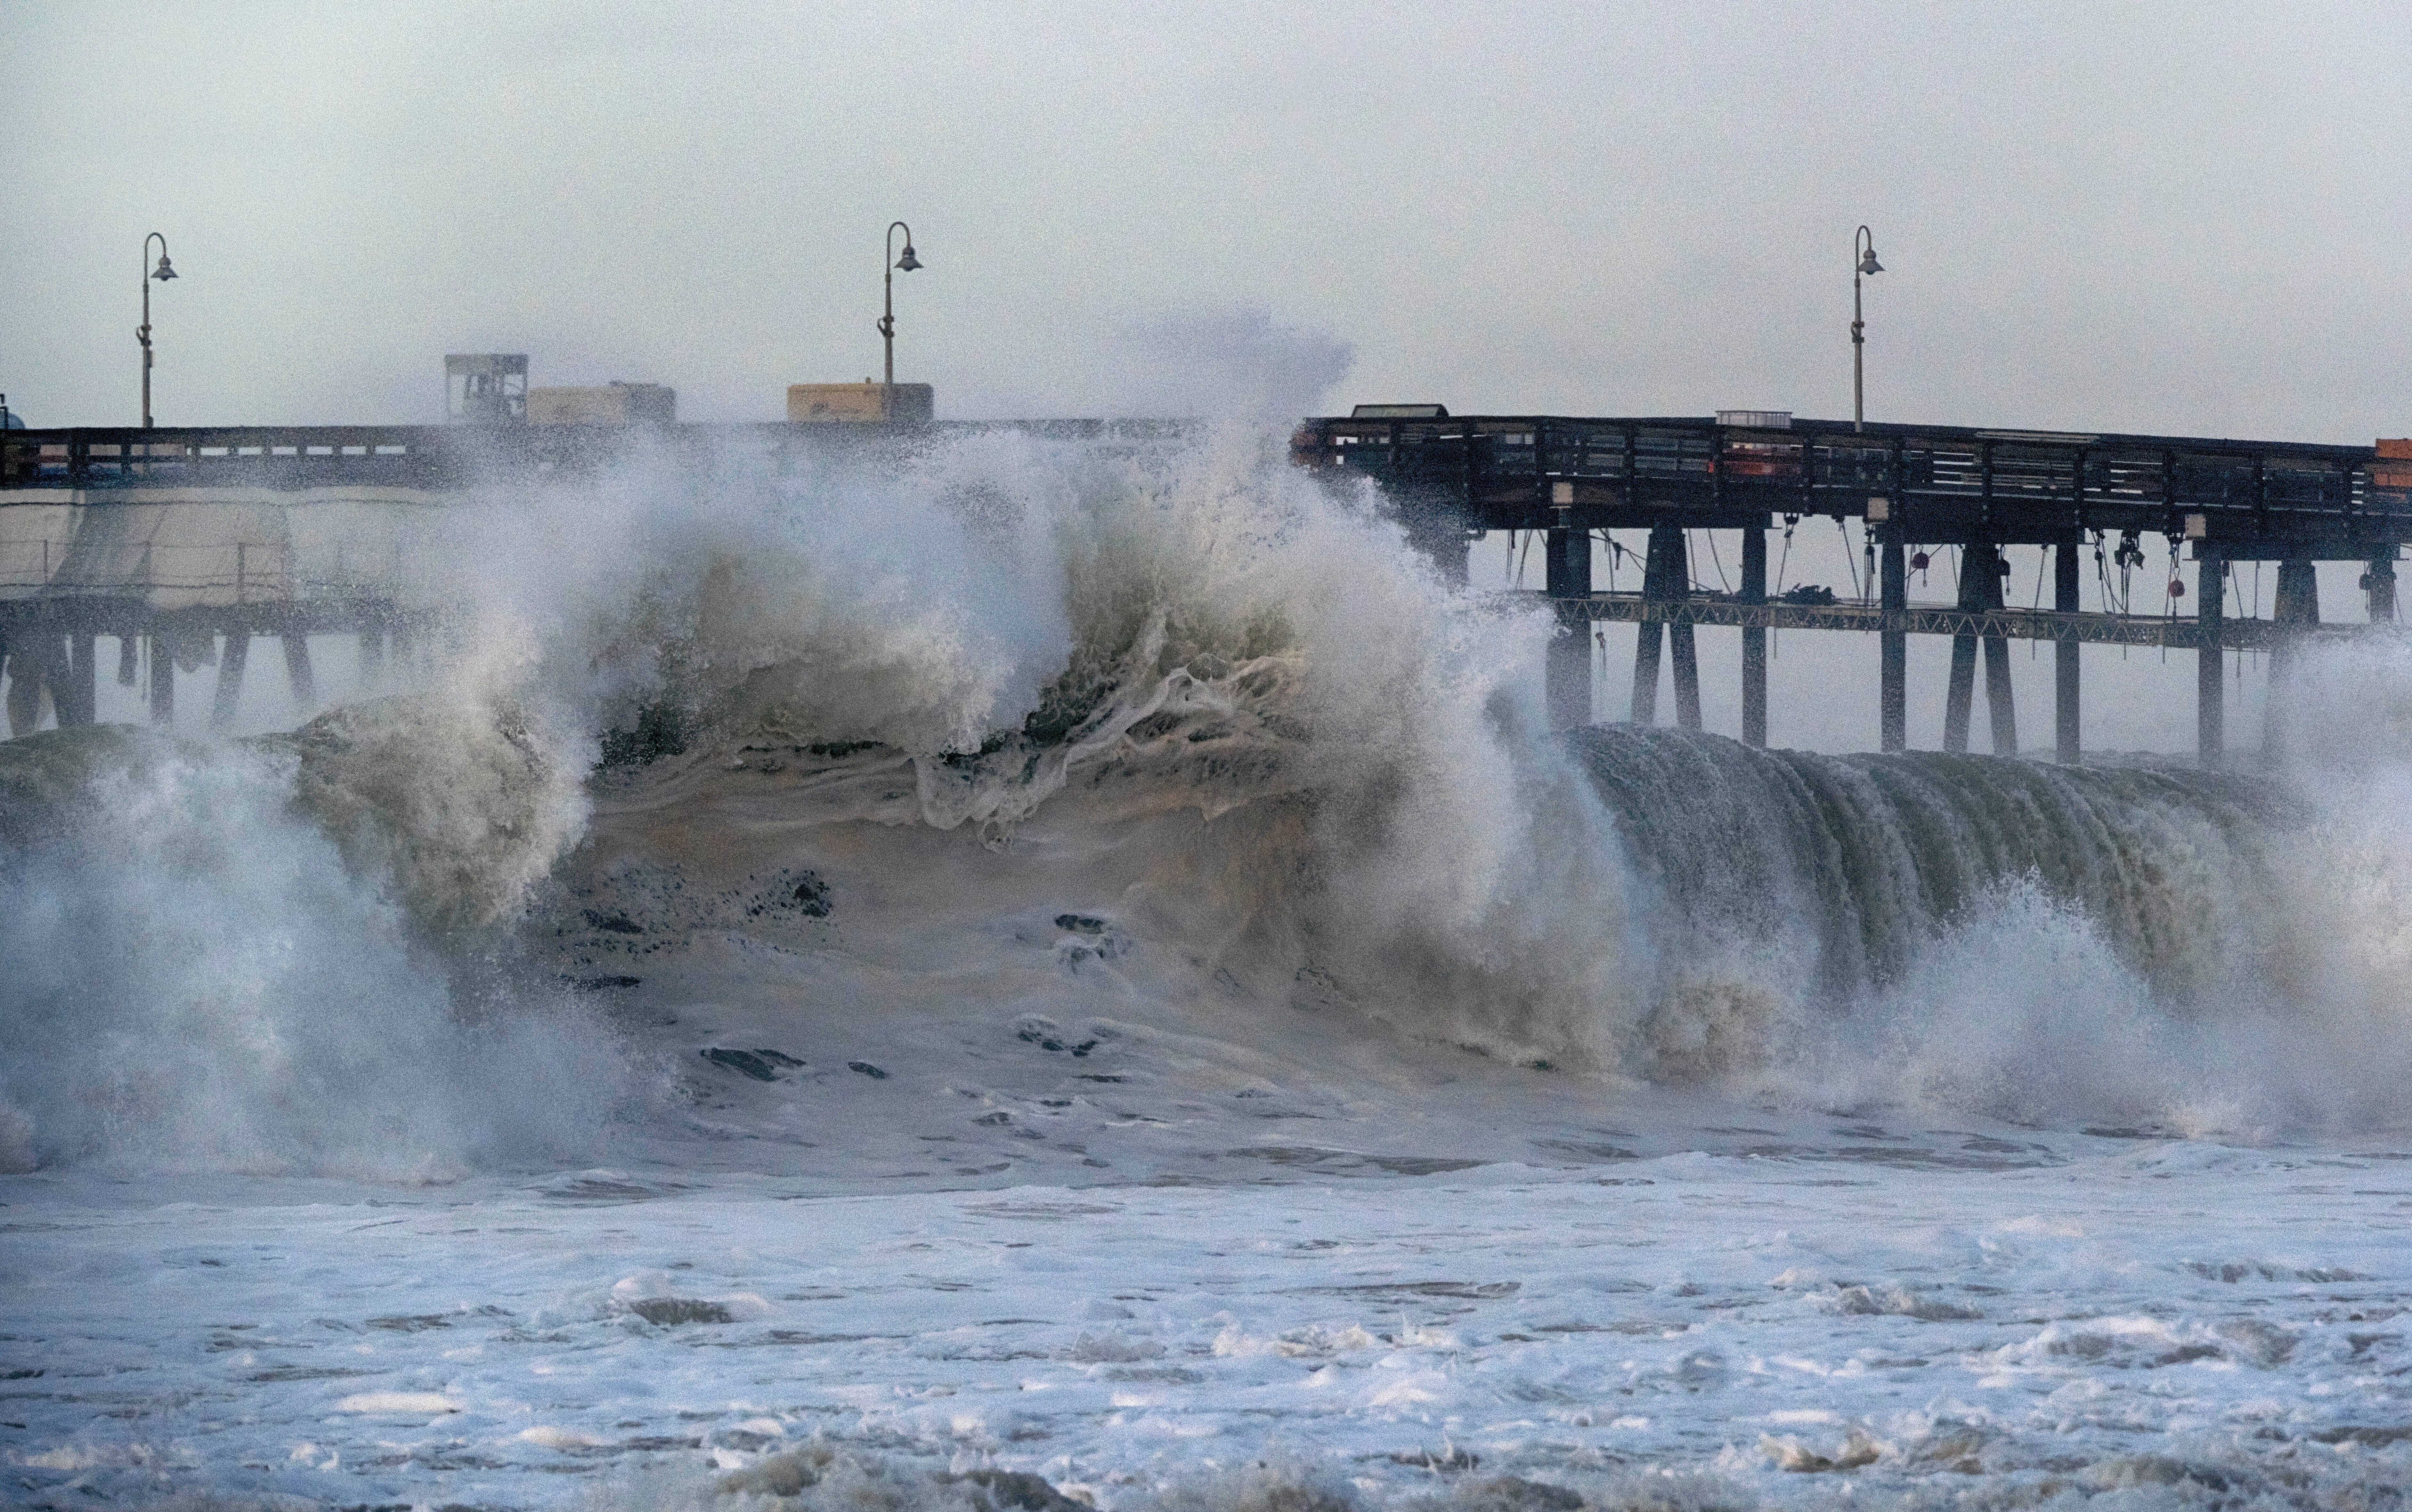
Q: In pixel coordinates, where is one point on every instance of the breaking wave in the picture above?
(199, 980)
(1323, 772)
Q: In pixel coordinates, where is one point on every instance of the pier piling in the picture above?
(2211, 611)
(229, 689)
(1566, 673)
(82, 701)
(1958, 695)
(297, 669)
(1649, 635)
(1980, 592)
(1894, 644)
(2002, 709)
(1666, 579)
(1754, 639)
(1682, 646)
(2296, 611)
(25, 687)
(2065, 745)
(163, 681)
(2379, 585)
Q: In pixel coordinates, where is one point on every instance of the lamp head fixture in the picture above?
(906, 263)
(1869, 264)
(165, 271)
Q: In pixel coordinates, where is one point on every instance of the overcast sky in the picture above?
(2183, 218)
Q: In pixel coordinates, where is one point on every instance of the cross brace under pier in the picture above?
(1943, 620)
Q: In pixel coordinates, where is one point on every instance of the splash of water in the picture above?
(1002, 633)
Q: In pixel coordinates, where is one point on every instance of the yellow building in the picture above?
(861, 402)
(614, 404)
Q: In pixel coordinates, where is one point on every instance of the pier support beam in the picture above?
(24, 666)
(37, 671)
(2297, 609)
(1682, 646)
(1998, 703)
(229, 690)
(1566, 678)
(1980, 592)
(127, 664)
(2210, 617)
(1665, 578)
(1754, 639)
(1960, 694)
(81, 703)
(297, 668)
(163, 681)
(1648, 636)
(1892, 711)
(2065, 745)
(372, 655)
(2378, 584)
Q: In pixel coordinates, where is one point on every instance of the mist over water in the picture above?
(199, 981)
(312, 953)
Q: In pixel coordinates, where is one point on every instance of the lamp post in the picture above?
(162, 273)
(1862, 265)
(887, 310)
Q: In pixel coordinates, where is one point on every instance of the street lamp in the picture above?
(1864, 264)
(888, 316)
(165, 272)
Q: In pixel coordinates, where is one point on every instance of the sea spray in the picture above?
(980, 632)
(200, 981)
(1278, 747)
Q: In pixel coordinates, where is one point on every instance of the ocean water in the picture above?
(1037, 973)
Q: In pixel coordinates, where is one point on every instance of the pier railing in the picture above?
(1938, 484)
(446, 457)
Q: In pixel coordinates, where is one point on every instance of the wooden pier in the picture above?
(185, 545)
(1453, 479)
(98, 533)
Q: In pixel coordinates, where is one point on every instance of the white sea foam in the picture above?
(197, 981)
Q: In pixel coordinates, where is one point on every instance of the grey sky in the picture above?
(2183, 219)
